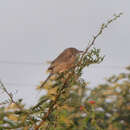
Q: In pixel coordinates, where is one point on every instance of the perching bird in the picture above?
(62, 63)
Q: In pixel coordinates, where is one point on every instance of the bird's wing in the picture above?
(63, 57)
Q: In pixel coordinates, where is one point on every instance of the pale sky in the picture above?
(36, 31)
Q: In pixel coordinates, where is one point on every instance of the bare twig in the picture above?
(13, 101)
(52, 104)
(9, 95)
(103, 26)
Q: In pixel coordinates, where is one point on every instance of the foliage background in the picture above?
(33, 32)
(106, 107)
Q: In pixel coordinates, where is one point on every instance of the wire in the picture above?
(20, 62)
(19, 84)
(41, 63)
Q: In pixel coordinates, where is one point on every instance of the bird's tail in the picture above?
(42, 85)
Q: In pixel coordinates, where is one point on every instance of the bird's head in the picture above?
(73, 51)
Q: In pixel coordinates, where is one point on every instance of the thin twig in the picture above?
(10, 95)
(12, 101)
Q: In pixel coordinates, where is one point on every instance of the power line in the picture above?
(41, 63)
(20, 62)
(19, 84)
(109, 67)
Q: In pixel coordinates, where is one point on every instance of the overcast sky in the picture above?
(36, 31)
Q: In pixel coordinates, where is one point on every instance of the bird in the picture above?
(62, 63)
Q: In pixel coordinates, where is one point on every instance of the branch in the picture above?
(103, 26)
(10, 95)
(20, 107)
(52, 104)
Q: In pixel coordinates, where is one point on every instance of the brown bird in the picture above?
(62, 63)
